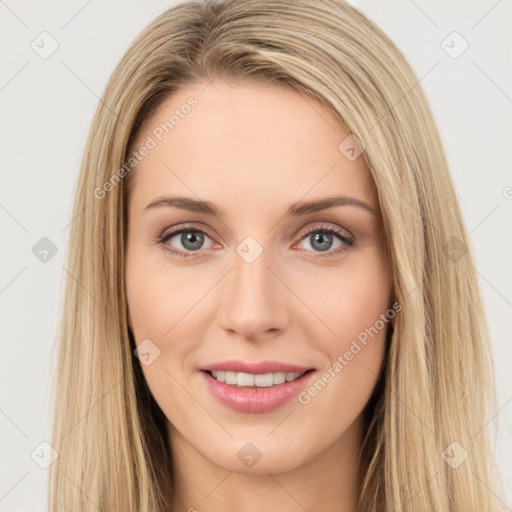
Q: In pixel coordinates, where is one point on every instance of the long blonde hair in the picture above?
(437, 383)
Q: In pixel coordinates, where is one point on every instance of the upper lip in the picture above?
(260, 368)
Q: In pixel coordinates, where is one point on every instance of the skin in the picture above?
(254, 149)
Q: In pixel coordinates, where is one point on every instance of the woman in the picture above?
(271, 301)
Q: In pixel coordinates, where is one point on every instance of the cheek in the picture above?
(353, 305)
(159, 299)
(361, 320)
(353, 300)
(161, 309)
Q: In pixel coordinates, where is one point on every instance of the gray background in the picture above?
(47, 105)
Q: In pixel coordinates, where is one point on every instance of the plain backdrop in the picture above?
(461, 52)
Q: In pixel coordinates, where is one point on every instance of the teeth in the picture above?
(250, 380)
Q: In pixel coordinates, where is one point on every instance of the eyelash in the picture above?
(348, 242)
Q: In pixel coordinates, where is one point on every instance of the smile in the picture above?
(255, 393)
(249, 380)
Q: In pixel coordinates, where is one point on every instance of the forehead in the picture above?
(251, 142)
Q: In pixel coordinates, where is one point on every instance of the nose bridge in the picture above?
(253, 297)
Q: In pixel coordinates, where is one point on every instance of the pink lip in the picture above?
(255, 368)
(254, 399)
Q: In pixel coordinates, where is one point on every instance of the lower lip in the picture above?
(256, 400)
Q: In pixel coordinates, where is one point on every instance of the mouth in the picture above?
(255, 393)
(251, 381)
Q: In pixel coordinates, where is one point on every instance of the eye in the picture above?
(192, 238)
(321, 239)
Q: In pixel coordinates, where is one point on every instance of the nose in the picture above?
(255, 300)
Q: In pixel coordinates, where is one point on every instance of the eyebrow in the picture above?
(295, 210)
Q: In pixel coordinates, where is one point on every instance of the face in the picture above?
(255, 283)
